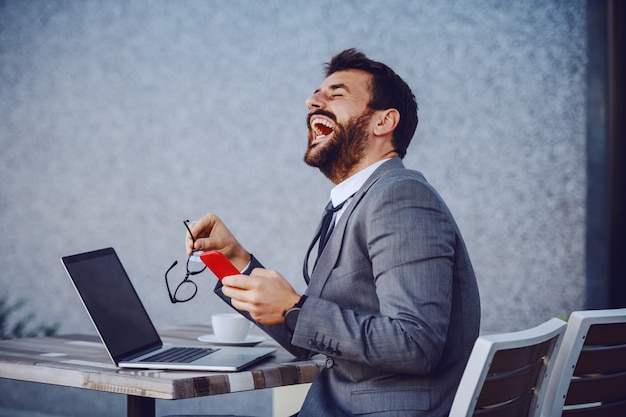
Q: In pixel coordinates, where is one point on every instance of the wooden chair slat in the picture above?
(606, 334)
(506, 360)
(515, 408)
(606, 387)
(506, 387)
(601, 359)
(614, 409)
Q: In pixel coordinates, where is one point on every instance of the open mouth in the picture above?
(321, 127)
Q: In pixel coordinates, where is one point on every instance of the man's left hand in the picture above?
(265, 294)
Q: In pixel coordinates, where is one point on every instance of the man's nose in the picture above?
(316, 101)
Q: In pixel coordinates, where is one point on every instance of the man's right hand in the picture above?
(211, 233)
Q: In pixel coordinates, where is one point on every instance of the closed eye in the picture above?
(338, 90)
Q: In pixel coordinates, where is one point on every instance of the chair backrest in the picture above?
(506, 373)
(589, 376)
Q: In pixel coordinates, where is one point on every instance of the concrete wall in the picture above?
(121, 119)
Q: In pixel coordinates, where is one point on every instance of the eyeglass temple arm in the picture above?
(186, 223)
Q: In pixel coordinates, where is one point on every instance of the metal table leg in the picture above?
(140, 406)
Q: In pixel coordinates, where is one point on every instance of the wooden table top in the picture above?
(81, 361)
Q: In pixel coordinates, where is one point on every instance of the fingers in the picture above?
(201, 230)
(211, 233)
(204, 226)
(239, 289)
(239, 282)
(265, 294)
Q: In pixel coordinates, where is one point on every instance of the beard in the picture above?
(337, 157)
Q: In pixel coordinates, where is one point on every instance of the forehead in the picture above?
(356, 82)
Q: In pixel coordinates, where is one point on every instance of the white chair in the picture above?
(506, 373)
(589, 375)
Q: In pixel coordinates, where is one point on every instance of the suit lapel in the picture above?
(329, 256)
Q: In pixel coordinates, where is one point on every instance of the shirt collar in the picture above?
(346, 189)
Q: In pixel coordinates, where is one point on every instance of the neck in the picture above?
(339, 177)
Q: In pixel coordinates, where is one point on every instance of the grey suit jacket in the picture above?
(393, 303)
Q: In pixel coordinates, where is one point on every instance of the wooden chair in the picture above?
(589, 376)
(506, 373)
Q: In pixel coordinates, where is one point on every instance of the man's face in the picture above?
(339, 123)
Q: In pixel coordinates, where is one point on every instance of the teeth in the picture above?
(324, 122)
(322, 127)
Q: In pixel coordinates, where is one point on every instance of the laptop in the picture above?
(126, 329)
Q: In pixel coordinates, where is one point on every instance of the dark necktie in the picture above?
(322, 235)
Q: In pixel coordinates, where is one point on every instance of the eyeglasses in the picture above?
(187, 289)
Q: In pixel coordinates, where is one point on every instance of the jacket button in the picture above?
(330, 362)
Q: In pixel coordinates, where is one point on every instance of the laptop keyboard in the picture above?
(180, 355)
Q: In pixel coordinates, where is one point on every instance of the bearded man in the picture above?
(392, 299)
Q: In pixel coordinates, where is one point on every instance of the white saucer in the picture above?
(250, 340)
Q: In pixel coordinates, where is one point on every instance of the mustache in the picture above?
(320, 112)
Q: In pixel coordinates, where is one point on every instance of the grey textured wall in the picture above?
(120, 119)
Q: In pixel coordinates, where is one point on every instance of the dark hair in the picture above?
(388, 91)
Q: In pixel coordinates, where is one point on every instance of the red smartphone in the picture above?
(218, 264)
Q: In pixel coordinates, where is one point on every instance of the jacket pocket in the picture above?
(375, 401)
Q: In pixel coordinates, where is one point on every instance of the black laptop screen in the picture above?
(112, 302)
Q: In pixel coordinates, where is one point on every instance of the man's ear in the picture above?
(386, 121)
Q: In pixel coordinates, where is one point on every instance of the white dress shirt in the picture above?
(346, 189)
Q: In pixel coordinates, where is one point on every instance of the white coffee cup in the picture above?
(230, 327)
